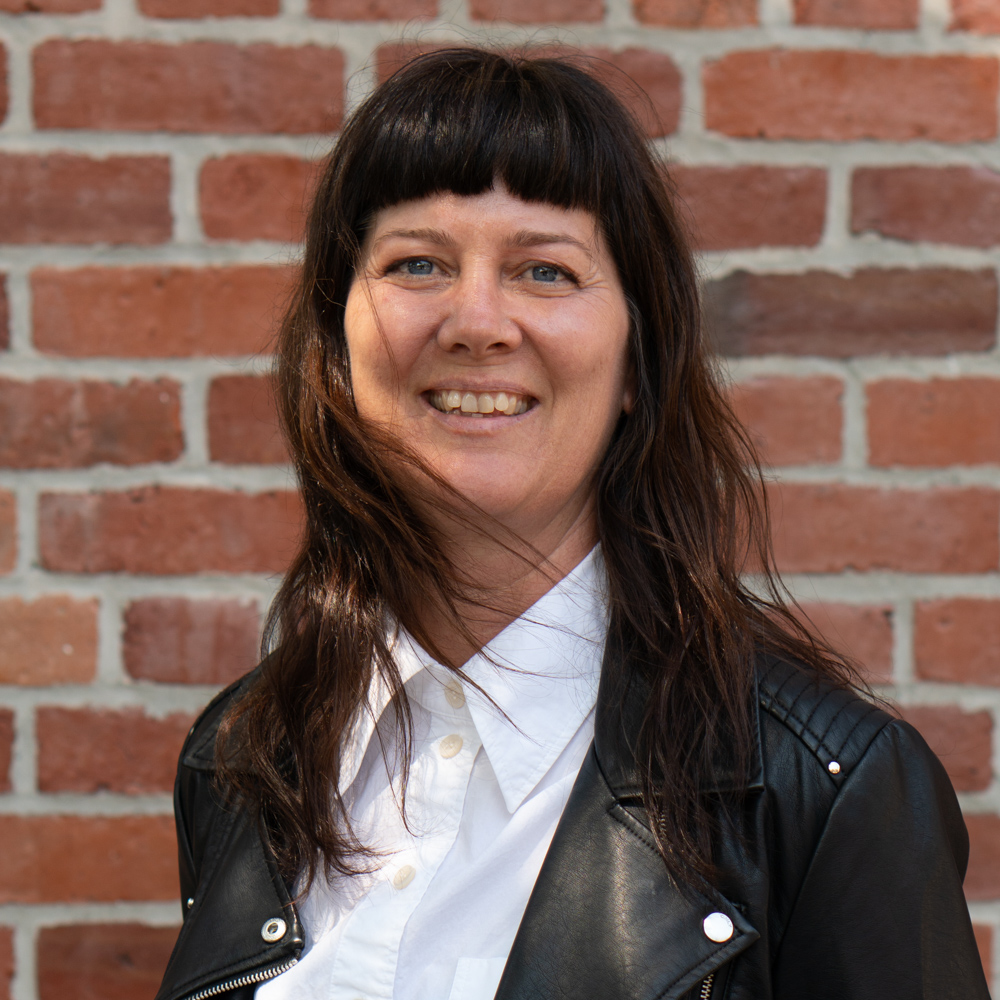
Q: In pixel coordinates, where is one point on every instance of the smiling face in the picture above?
(489, 335)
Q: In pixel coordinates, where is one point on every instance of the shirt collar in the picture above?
(543, 677)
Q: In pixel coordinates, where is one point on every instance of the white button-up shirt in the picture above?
(437, 917)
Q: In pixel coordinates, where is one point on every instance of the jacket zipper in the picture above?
(250, 979)
(706, 987)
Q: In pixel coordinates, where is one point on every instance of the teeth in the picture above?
(472, 405)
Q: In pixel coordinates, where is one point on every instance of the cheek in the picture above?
(377, 353)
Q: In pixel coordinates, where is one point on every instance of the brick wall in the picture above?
(841, 164)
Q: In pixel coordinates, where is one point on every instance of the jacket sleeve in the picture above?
(881, 912)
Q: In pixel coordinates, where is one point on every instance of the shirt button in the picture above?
(717, 927)
(404, 877)
(450, 745)
(454, 694)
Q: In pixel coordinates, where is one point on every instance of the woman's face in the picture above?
(489, 334)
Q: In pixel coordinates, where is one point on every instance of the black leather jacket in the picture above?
(845, 882)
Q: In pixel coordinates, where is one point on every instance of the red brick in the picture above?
(156, 312)
(982, 880)
(963, 741)
(82, 859)
(957, 640)
(6, 961)
(979, 16)
(256, 196)
(959, 205)
(373, 10)
(889, 15)
(48, 7)
(50, 640)
(831, 95)
(832, 527)
(192, 87)
(984, 939)
(936, 423)
(648, 82)
(243, 421)
(793, 421)
(55, 423)
(93, 750)
(899, 311)
(174, 640)
(8, 531)
(102, 961)
(861, 631)
(537, 11)
(696, 13)
(6, 755)
(209, 8)
(752, 206)
(168, 530)
(68, 198)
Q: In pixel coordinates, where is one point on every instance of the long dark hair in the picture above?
(680, 506)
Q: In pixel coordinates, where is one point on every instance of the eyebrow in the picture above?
(522, 239)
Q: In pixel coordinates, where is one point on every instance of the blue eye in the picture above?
(542, 272)
(418, 267)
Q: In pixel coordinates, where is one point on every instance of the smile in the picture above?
(479, 404)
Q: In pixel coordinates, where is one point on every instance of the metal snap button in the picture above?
(833, 767)
(190, 902)
(717, 927)
(273, 930)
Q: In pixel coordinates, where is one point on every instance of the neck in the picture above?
(503, 584)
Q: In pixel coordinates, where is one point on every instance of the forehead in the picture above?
(495, 215)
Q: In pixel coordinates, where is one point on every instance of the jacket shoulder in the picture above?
(198, 751)
(835, 724)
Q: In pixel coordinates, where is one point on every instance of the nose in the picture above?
(478, 322)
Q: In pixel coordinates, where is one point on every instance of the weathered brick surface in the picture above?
(193, 87)
(984, 939)
(8, 531)
(243, 421)
(936, 423)
(980, 16)
(983, 878)
(959, 205)
(537, 11)
(102, 961)
(6, 961)
(696, 13)
(844, 95)
(87, 859)
(209, 8)
(174, 640)
(895, 15)
(863, 632)
(70, 198)
(752, 206)
(156, 312)
(831, 528)
(47, 640)
(55, 423)
(957, 640)
(962, 740)
(168, 530)
(255, 196)
(792, 421)
(905, 311)
(373, 10)
(6, 755)
(93, 750)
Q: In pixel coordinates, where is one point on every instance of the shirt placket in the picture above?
(365, 966)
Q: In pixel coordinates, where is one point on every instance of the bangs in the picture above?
(460, 121)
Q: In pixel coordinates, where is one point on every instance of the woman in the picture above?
(525, 731)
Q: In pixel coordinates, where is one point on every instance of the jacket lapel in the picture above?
(605, 920)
